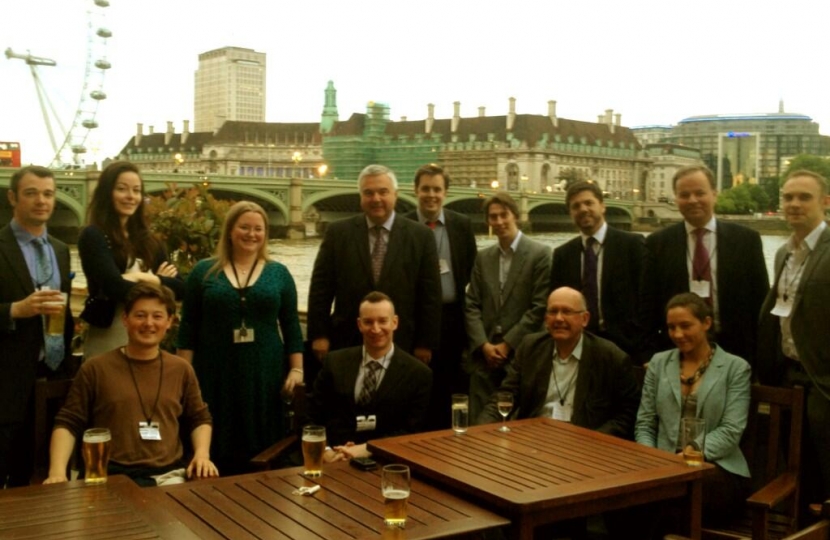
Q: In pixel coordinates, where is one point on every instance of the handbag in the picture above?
(98, 311)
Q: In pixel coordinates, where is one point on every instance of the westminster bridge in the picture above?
(298, 206)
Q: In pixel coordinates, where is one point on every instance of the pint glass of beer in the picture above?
(394, 484)
(693, 439)
(314, 444)
(96, 450)
(460, 412)
(55, 321)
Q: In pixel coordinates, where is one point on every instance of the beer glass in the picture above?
(96, 450)
(314, 445)
(55, 321)
(505, 404)
(394, 484)
(460, 413)
(693, 439)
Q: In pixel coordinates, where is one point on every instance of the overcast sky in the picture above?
(656, 62)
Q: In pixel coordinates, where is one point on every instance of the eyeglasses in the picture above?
(565, 312)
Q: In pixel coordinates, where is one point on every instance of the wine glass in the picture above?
(505, 403)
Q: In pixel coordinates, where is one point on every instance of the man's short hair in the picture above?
(376, 170)
(431, 170)
(143, 289)
(37, 170)
(820, 180)
(578, 187)
(376, 297)
(690, 169)
(503, 198)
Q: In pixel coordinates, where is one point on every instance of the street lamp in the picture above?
(178, 159)
(322, 170)
(494, 184)
(296, 157)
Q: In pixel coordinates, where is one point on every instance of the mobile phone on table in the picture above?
(364, 463)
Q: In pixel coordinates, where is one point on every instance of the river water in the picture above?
(299, 255)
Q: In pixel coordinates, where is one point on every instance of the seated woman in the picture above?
(698, 379)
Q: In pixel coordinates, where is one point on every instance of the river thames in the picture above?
(299, 255)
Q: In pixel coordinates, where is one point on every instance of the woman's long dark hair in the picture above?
(141, 244)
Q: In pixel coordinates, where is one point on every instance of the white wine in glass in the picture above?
(505, 403)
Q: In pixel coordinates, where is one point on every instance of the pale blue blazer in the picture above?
(722, 399)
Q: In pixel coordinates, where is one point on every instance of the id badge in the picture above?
(149, 432)
(783, 308)
(366, 423)
(443, 266)
(243, 335)
(562, 412)
(700, 288)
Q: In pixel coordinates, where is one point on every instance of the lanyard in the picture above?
(243, 307)
(563, 396)
(788, 284)
(130, 361)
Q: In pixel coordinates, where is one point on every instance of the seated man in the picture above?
(372, 391)
(568, 374)
(140, 393)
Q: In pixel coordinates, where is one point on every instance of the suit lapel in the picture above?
(540, 378)
(11, 251)
(610, 255)
(360, 238)
(821, 251)
(63, 268)
(713, 374)
(673, 375)
(395, 248)
(391, 378)
(519, 259)
(679, 254)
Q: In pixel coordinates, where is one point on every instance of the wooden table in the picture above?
(545, 471)
(117, 509)
(349, 505)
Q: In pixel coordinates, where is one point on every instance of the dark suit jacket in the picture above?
(811, 311)
(623, 261)
(742, 283)
(606, 395)
(20, 348)
(343, 275)
(400, 403)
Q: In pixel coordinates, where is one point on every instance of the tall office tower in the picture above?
(230, 85)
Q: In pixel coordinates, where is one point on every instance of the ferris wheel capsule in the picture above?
(90, 123)
(102, 3)
(79, 149)
(103, 64)
(104, 33)
(98, 94)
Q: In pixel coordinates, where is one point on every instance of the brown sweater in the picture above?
(104, 395)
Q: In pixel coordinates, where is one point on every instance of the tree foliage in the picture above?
(816, 164)
(743, 199)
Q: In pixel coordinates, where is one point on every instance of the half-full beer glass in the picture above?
(314, 444)
(96, 450)
(55, 321)
(693, 440)
(394, 484)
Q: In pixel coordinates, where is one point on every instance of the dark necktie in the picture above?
(53, 346)
(590, 288)
(370, 383)
(700, 263)
(378, 253)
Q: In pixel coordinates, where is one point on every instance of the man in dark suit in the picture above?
(373, 391)
(456, 245)
(720, 261)
(794, 342)
(505, 300)
(589, 383)
(381, 251)
(609, 275)
(34, 268)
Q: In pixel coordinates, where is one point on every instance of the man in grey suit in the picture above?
(505, 299)
(794, 341)
(34, 268)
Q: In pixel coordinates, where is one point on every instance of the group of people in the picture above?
(404, 311)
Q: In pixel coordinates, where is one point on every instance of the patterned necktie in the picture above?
(370, 383)
(700, 263)
(590, 287)
(53, 346)
(378, 253)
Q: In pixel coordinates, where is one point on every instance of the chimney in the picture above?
(481, 112)
(609, 115)
(185, 131)
(430, 118)
(600, 119)
(618, 119)
(139, 132)
(168, 136)
(151, 130)
(781, 106)
(456, 116)
(511, 115)
(403, 118)
(552, 113)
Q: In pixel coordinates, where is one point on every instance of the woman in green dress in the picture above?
(236, 305)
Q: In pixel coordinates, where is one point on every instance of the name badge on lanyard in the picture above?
(149, 432)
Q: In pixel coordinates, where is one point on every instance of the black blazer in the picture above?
(624, 258)
(742, 283)
(400, 403)
(343, 274)
(20, 348)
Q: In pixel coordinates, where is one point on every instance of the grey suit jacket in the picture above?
(20, 347)
(520, 307)
(811, 311)
(722, 400)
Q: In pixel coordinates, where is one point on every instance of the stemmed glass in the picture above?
(505, 403)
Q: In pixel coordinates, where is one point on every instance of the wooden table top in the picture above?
(543, 465)
(117, 509)
(349, 505)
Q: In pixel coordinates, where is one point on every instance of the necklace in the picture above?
(701, 369)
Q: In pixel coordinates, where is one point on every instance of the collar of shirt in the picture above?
(811, 239)
(384, 361)
(386, 224)
(712, 226)
(576, 354)
(23, 236)
(513, 245)
(599, 236)
(424, 220)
